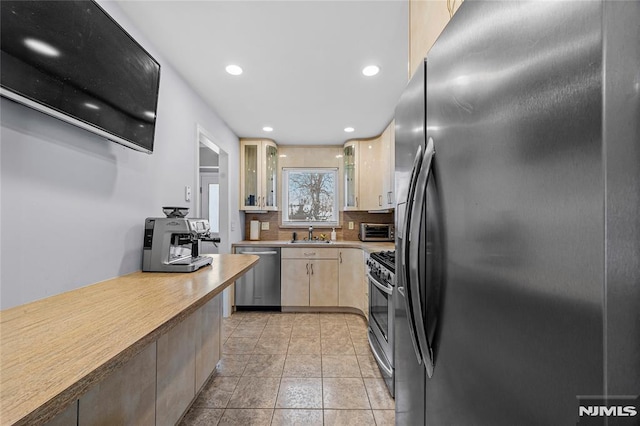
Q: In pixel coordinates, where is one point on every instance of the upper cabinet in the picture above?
(427, 19)
(258, 174)
(350, 158)
(388, 167)
(368, 172)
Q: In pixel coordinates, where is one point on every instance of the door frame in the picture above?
(224, 247)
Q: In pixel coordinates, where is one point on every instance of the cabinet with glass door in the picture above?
(350, 158)
(258, 174)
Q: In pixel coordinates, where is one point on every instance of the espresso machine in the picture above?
(172, 243)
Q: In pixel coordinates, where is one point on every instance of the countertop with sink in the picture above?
(369, 246)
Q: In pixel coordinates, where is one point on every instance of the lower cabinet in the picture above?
(294, 278)
(351, 278)
(69, 417)
(324, 277)
(126, 396)
(323, 282)
(159, 384)
(309, 277)
(208, 325)
(176, 385)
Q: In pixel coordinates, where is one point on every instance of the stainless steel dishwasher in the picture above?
(259, 288)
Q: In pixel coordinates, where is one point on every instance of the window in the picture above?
(310, 197)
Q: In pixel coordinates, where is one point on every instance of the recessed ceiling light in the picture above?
(371, 70)
(349, 129)
(41, 47)
(233, 69)
(267, 129)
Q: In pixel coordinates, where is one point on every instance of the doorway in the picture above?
(212, 196)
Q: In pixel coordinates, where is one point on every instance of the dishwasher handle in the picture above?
(258, 252)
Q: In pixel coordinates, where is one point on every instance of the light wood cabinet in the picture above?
(388, 165)
(127, 396)
(369, 172)
(175, 387)
(427, 19)
(208, 323)
(351, 178)
(294, 276)
(369, 162)
(69, 417)
(351, 279)
(323, 282)
(309, 277)
(157, 385)
(258, 175)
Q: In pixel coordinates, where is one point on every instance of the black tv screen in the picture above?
(70, 59)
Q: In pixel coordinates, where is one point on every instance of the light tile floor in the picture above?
(294, 369)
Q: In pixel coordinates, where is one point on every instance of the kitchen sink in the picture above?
(309, 242)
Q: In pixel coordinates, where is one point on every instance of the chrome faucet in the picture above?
(310, 233)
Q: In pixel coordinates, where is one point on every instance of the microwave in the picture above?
(376, 232)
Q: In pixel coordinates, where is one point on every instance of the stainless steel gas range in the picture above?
(380, 274)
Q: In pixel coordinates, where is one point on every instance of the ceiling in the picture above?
(302, 62)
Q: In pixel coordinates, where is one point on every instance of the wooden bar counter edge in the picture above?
(53, 350)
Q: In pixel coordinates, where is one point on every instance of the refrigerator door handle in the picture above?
(405, 250)
(417, 162)
(414, 256)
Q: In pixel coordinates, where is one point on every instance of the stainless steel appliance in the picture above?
(380, 274)
(517, 254)
(259, 288)
(172, 243)
(376, 232)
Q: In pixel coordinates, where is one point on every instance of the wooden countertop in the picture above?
(53, 350)
(369, 247)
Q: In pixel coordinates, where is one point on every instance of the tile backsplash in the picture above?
(275, 232)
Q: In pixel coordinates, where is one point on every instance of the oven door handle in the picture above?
(379, 360)
(387, 289)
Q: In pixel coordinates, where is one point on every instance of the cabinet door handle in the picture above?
(307, 269)
(312, 269)
(380, 200)
(340, 254)
(356, 201)
(389, 196)
(313, 253)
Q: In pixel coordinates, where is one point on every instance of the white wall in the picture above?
(72, 205)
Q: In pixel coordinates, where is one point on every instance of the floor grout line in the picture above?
(354, 331)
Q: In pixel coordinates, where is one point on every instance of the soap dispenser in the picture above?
(333, 234)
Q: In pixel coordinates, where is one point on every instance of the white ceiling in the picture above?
(302, 62)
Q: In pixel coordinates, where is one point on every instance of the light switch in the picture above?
(265, 226)
(350, 225)
(187, 193)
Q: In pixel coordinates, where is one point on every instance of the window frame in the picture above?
(286, 223)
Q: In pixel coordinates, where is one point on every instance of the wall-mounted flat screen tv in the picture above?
(71, 60)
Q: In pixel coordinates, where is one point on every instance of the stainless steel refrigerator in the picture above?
(518, 225)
